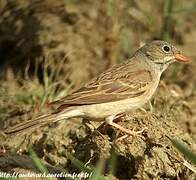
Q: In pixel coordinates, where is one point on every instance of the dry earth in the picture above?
(85, 38)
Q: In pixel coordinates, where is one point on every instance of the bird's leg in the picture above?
(109, 120)
(88, 126)
(121, 138)
(143, 110)
(150, 106)
(118, 117)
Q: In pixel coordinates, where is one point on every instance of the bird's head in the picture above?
(162, 53)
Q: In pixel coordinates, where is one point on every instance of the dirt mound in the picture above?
(77, 40)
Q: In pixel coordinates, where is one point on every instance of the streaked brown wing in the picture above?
(115, 84)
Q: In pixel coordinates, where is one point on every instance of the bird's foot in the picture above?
(132, 133)
(128, 132)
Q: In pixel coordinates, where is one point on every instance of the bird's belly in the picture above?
(103, 110)
(100, 111)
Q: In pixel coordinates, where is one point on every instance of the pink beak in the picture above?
(181, 58)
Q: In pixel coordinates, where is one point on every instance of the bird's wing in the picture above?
(117, 83)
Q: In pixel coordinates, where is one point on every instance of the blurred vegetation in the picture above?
(38, 162)
(48, 49)
(189, 154)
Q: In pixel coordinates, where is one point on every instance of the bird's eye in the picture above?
(166, 48)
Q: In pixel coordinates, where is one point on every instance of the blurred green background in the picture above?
(49, 48)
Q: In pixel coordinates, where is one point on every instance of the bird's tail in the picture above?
(41, 121)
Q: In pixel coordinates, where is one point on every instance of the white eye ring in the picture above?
(166, 49)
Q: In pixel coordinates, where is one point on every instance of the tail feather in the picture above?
(32, 124)
(42, 121)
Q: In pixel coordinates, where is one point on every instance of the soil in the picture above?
(85, 38)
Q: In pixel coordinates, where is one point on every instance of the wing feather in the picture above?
(116, 84)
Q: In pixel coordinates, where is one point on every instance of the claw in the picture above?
(133, 133)
(128, 132)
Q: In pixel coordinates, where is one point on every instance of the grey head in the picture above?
(161, 54)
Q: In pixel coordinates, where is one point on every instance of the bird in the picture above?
(124, 87)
